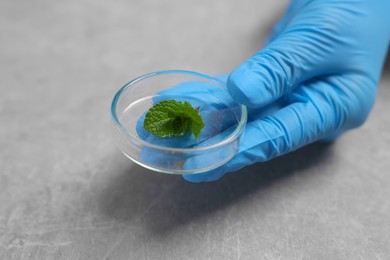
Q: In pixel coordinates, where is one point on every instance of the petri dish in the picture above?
(218, 141)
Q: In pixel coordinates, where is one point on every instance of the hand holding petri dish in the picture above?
(217, 143)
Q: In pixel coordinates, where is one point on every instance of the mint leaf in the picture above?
(173, 118)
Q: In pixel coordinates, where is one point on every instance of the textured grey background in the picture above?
(67, 193)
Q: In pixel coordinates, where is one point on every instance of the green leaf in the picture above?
(173, 118)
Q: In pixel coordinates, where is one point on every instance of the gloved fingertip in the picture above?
(205, 177)
(195, 178)
(245, 86)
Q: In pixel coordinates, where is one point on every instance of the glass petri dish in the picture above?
(224, 120)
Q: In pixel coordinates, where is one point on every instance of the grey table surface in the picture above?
(66, 192)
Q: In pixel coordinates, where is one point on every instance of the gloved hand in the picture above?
(320, 69)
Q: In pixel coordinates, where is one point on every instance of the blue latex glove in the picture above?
(320, 68)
